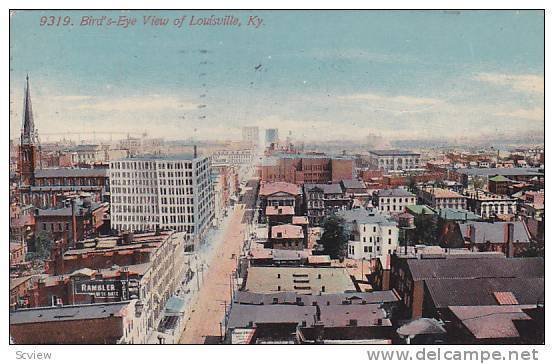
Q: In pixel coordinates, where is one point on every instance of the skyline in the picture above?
(400, 74)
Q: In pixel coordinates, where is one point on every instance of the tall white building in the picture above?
(251, 135)
(372, 235)
(169, 192)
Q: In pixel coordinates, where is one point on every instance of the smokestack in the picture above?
(509, 239)
(73, 222)
(195, 153)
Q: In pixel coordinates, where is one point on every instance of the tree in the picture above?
(412, 185)
(334, 238)
(426, 231)
(535, 249)
(43, 245)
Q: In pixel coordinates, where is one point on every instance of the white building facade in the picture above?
(391, 201)
(166, 192)
(373, 236)
(394, 160)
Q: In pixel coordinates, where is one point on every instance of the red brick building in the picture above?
(306, 168)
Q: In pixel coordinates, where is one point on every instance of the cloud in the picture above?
(135, 103)
(535, 114)
(527, 83)
(394, 104)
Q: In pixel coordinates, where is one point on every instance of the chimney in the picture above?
(509, 239)
(195, 151)
(472, 233)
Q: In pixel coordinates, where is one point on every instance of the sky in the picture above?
(318, 75)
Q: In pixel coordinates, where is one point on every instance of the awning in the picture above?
(174, 306)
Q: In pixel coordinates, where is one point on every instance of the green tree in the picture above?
(43, 245)
(426, 231)
(335, 237)
(412, 185)
(535, 249)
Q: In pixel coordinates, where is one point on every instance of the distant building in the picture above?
(487, 204)
(271, 136)
(442, 198)
(306, 168)
(393, 200)
(169, 192)
(233, 157)
(393, 160)
(251, 135)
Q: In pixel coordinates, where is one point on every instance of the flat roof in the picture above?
(302, 280)
(67, 313)
(392, 152)
(71, 172)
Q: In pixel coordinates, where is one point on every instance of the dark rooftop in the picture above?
(481, 292)
(67, 313)
(71, 172)
(488, 267)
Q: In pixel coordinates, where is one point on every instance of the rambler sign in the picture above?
(110, 289)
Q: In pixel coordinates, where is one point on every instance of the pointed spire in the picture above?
(28, 129)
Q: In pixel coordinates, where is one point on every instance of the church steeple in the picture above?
(28, 134)
(29, 153)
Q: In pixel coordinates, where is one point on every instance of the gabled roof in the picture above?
(267, 189)
(481, 291)
(490, 322)
(499, 178)
(482, 267)
(494, 232)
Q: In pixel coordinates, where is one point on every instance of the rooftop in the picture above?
(490, 322)
(352, 184)
(279, 210)
(420, 209)
(156, 157)
(327, 188)
(71, 172)
(302, 280)
(500, 171)
(495, 231)
(394, 192)
(442, 193)
(392, 152)
(363, 216)
(457, 215)
(270, 188)
(482, 291)
(287, 231)
(479, 267)
(67, 313)
(247, 315)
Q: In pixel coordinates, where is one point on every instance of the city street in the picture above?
(209, 308)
